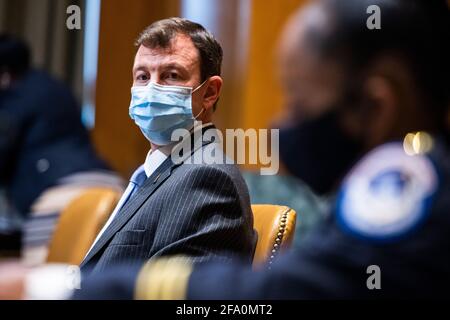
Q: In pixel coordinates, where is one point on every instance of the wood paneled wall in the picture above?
(115, 135)
(262, 94)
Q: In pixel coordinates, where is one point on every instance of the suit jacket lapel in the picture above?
(145, 191)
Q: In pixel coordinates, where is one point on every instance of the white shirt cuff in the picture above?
(52, 282)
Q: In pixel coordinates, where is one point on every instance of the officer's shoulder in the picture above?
(388, 194)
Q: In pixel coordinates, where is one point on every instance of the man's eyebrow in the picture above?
(173, 65)
(169, 65)
(139, 67)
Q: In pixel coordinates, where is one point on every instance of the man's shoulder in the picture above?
(210, 157)
(201, 171)
(228, 171)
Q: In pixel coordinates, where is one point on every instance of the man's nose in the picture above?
(155, 78)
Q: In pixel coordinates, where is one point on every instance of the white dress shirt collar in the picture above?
(156, 157)
(153, 160)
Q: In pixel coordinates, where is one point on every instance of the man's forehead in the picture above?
(180, 50)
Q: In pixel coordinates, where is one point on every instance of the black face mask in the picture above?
(318, 151)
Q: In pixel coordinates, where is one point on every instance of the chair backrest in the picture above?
(275, 226)
(79, 224)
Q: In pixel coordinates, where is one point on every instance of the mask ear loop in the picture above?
(200, 86)
(199, 114)
(203, 109)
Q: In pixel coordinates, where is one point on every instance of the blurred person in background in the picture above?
(382, 96)
(368, 117)
(46, 157)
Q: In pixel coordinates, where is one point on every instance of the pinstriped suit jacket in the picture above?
(199, 210)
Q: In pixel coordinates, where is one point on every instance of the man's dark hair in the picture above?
(416, 30)
(14, 55)
(160, 33)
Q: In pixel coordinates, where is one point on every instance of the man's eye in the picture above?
(173, 75)
(142, 77)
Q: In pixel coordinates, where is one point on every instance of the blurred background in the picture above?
(96, 60)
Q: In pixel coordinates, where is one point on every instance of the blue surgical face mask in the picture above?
(158, 110)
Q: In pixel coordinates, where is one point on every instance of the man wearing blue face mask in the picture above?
(202, 211)
(172, 205)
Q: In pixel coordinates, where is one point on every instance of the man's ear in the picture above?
(383, 103)
(212, 92)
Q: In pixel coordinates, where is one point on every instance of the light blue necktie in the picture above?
(136, 181)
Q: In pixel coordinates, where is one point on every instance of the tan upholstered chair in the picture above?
(79, 224)
(275, 226)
